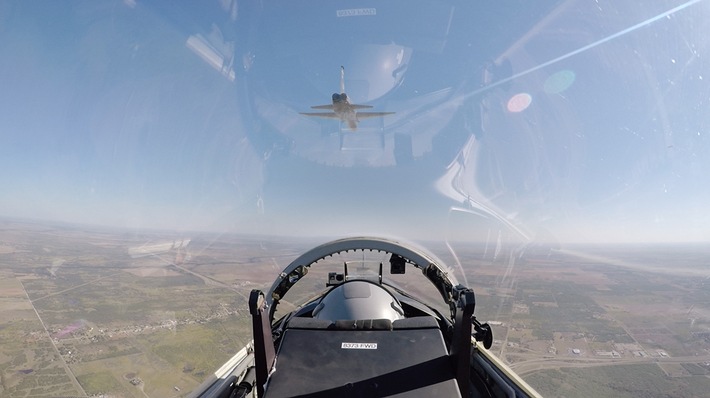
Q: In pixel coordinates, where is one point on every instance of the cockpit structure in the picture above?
(366, 335)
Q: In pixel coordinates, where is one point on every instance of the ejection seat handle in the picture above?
(264, 352)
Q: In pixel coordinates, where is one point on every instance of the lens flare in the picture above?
(559, 81)
(519, 102)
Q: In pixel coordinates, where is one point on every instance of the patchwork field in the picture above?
(95, 312)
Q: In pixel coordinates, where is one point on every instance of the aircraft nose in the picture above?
(336, 97)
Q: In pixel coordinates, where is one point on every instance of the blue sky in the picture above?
(109, 117)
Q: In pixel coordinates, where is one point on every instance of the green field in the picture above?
(646, 380)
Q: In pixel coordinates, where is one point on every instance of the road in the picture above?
(533, 365)
(68, 370)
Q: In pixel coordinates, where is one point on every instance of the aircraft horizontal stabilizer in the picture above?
(329, 106)
(354, 106)
(330, 115)
(364, 115)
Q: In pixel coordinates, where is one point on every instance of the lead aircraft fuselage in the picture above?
(342, 109)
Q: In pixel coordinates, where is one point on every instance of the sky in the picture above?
(571, 121)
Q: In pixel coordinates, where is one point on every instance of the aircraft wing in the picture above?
(329, 115)
(365, 115)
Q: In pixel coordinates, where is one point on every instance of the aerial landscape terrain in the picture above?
(89, 311)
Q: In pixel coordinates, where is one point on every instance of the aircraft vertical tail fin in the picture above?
(342, 79)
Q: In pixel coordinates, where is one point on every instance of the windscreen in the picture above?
(160, 160)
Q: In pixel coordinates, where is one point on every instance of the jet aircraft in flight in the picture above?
(342, 108)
